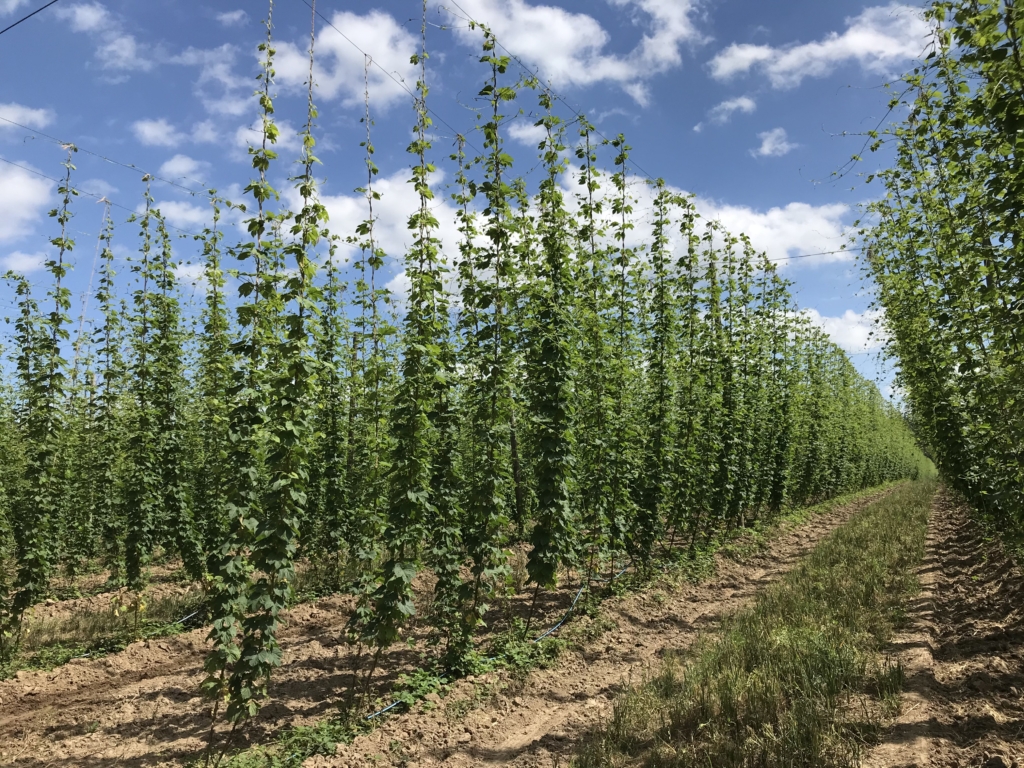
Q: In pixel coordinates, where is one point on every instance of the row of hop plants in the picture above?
(945, 250)
(547, 382)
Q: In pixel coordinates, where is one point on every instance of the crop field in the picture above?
(593, 492)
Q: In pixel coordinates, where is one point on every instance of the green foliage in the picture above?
(945, 251)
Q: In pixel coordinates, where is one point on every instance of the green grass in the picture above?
(292, 747)
(797, 679)
(50, 643)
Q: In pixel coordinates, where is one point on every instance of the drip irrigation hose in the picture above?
(555, 628)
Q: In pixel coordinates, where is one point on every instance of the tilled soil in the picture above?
(140, 707)
(539, 725)
(962, 651)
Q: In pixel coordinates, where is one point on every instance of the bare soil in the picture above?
(140, 707)
(495, 721)
(962, 650)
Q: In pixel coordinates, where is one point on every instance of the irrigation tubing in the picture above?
(565, 618)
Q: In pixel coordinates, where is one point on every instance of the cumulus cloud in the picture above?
(339, 66)
(774, 143)
(116, 49)
(157, 133)
(878, 39)
(183, 215)
(398, 201)
(10, 6)
(161, 133)
(86, 17)
(722, 113)
(233, 18)
(220, 90)
(853, 331)
(17, 113)
(571, 48)
(191, 274)
(797, 229)
(183, 166)
(205, 133)
(527, 133)
(23, 198)
(23, 263)
(99, 187)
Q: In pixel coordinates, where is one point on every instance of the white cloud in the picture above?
(157, 133)
(774, 143)
(399, 287)
(570, 48)
(10, 6)
(527, 133)
(205, 133)
(233, 18)
(722, 113)
(878, 39)
(23, 263)
(391, 228)
(98, 187)
(183, 166)
(738, 58)
(116, 49)
(797, 229)
(339, 66)
(220, 90)
(122, 52)
(23, 199)
(183, 215)
(192, 275)
(33, 118)
(853, 331)
(161, 133)
(86, 17)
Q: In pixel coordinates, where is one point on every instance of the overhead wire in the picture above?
(579, 114)
(110, 160)
(398, 81)
(26, 18)
(819, 253)
(79, 190)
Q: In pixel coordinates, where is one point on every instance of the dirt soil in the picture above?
(963, 652)
(493, 721)
(140, 707)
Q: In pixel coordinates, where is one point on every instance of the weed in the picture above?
(294, 746)
(418, 685)
(588, 628)
(516, 651)
(887, 684)
(50, 643)
(776, 688)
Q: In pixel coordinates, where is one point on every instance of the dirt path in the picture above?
(963, 652)
(479, 724)
(141, 708)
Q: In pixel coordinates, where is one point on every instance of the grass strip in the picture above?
(795, 680)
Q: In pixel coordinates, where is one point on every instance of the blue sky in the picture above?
(739, 102)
